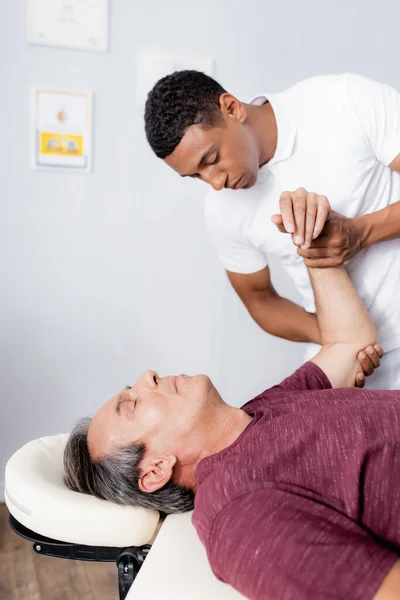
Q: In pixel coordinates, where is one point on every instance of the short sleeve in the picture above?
(308, 377)
(272, 544)
(235, 252)
(377, 109)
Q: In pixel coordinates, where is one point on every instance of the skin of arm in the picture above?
(276, 315)
(379, 226)
(390, 588)
(344, 323)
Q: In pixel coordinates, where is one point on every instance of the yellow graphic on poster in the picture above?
(61, 144)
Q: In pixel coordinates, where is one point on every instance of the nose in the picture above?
(216, 179)
(146, 381)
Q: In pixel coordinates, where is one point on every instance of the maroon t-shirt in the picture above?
(305, 504)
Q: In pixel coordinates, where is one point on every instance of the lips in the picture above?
(238, 184)
(174, 383)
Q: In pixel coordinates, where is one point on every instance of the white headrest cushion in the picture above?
(37, 497)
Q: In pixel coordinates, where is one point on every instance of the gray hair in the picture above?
(115, 477)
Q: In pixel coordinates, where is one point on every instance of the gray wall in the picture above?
(105, 275)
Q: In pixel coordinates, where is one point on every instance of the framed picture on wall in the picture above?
(61, 129)
(81, 24)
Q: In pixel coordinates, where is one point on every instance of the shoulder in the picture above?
(325, 93)
(335, 87)
(318, 83)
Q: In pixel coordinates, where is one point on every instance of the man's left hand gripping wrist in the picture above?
(340, 239)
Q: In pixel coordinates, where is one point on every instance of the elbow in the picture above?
(359, 339)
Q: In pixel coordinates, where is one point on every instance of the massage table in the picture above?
(157, 559)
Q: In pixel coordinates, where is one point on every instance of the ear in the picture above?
(156, 473)
(232, 108)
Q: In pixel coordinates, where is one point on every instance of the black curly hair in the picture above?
(177, 101)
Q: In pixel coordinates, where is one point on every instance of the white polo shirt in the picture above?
(336, 136)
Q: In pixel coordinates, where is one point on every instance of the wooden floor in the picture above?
(25, 575)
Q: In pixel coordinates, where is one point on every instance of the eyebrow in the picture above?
(203, 158)
(119, 403)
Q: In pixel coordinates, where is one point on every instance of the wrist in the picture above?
(363, 226)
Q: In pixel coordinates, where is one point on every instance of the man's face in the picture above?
(160, 412)
(224, 157)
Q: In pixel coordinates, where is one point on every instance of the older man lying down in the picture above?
(296, 494)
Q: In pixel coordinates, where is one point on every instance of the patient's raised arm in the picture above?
(345, 325)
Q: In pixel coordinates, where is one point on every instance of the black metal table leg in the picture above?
(129, 562)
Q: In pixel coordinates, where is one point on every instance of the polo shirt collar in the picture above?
(285, 125)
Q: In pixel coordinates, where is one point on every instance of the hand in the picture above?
(369, 359)
(340, 239)
(303, 214)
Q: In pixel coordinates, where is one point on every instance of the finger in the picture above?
(311, 213)
(373, 356)
(365, 362)
(321, 242)
(379, 350)
(277, 220)
(286, 206)
(313, 253)
(360, 380)
(322, 214)
(323, 263)
(299, 211)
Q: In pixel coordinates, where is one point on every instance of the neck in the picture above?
(262, 122)
(223, 428)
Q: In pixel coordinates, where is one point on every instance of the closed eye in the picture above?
(131, 406)
(214, 162)
(122, 401)
(216, 159)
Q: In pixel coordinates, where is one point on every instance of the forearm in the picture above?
(379, 226)
(342, 316)
(283, 318)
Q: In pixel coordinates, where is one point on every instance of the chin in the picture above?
(205, 381)
(251, 182)
(204, 386)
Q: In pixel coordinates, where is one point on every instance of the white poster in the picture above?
(62, 129)
(70, 23)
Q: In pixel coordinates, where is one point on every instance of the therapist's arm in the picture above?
(379, 226)
(342, 237)
(274, 314)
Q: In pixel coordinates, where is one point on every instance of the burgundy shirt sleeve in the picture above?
(271, 544)
(308, 377)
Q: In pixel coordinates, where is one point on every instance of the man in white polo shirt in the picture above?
(334, 142)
